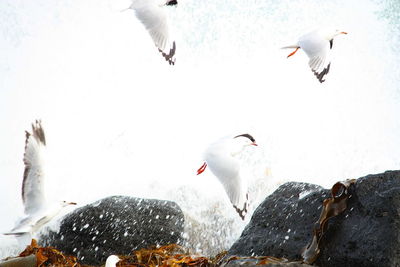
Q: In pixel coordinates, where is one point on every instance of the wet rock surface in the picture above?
(365, 234)
(282, 225)
(117, 225)
(255, 262)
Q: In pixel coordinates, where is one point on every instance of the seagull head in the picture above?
(66, 203)
(339, 32)
(332, 33)
(112, 260)
(240, 142)
(245, 140)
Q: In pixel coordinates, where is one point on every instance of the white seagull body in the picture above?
(152, 14)
(221, 157)
(317, 45)
(112, 260)
(37, 211)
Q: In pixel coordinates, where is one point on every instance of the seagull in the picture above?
(37, 210)
(221, 157)
(317, 45)
(152, 14)
(112, 260)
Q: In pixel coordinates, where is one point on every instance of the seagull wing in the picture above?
(236, 190)
(33, 183)
(32, 222)
(155, 21)
(318, 51)
(320, 65)
(227, 169)
(22, 227)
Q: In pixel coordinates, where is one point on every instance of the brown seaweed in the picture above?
(169, 255)
(332, 207)
(46, 256)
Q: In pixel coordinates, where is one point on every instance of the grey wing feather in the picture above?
(155, 21)
(32, 186)
(320, 62)
(317, 49)
(228, 173)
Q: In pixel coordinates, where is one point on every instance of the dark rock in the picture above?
(256, 263)
(117, 225)
(282, 225)
(365, 234)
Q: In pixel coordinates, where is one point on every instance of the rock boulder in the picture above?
(282, 224)
(116, 225)
(366, 234)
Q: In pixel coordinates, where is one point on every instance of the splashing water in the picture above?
(119, 120)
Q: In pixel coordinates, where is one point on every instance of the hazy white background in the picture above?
(120, 120)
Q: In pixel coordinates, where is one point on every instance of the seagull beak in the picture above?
(343, 32)
(71, 203)
(202, 168)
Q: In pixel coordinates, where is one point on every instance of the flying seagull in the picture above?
(317, 45)
(221, 158)
(37, 210)
(152, 14)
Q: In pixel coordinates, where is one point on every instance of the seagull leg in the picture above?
(294, 52)
(202, 168)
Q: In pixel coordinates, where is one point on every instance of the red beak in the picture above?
(254, 144)
(343, 32)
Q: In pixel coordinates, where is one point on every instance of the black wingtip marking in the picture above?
(247, 136)
(321, 76)
(172, 3)
(331, 43)
(38, 132)
(170, 56)
(242, 212)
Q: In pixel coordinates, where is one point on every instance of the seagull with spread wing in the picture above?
(222, 159)
(317, 45)
(152, 15)
(38, 211)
